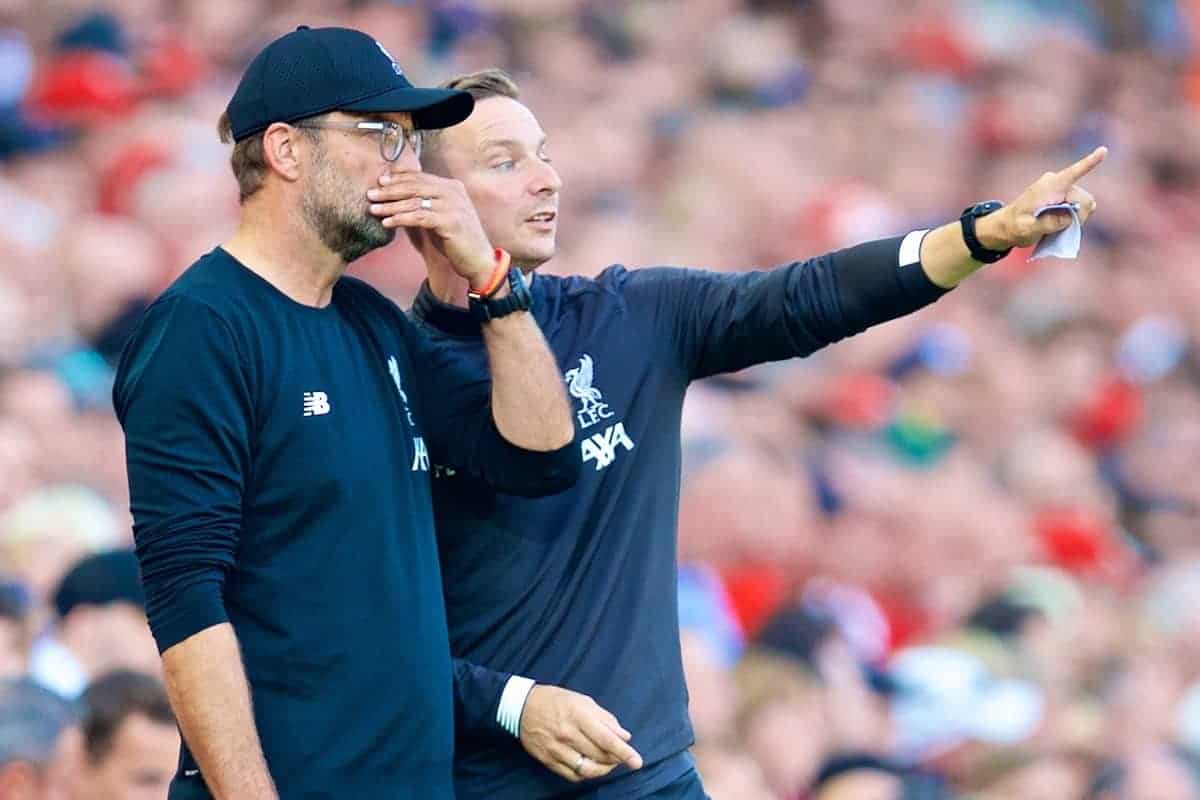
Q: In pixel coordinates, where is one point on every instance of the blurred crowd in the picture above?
(957, 556)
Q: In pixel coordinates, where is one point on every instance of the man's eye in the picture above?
(504, 165)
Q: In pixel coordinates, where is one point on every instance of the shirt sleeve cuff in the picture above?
(910, 247)
(179, 614)
(913, 278)
(512, 704)
(531, 473)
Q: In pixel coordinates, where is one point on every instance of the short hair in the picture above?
(248, 160)
(32, 719)
(113, 698)
(482, 84)
(485, 83)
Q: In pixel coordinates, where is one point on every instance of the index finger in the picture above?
(399, 174)
(608, 742)
(1083, 166)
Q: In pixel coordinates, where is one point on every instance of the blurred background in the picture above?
(957, 556)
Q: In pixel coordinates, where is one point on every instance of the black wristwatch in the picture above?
(517, 299)
(967, 220)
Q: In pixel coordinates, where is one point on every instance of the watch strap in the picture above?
(519, 298)
(967, 222)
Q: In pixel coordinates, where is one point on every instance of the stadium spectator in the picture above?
(40, 743)
(130, 741)
(100, 625)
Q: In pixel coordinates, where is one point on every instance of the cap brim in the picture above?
(431, 108)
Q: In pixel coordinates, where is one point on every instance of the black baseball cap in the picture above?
(100, 579)
(312, 71)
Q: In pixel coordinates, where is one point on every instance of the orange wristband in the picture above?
(503, 262)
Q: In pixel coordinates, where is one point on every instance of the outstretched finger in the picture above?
(1083, 166)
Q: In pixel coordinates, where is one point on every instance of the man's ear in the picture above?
(282, 150)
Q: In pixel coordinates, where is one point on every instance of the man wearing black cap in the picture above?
(579, 590)
(100, 625)
(280, 422)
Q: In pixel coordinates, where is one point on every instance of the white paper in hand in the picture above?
(1065, 243)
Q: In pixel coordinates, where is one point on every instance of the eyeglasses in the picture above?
(392, 136)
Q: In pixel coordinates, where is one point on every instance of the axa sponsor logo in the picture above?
(599, 448)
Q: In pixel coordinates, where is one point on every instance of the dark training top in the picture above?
(579, 589)
(279, 460)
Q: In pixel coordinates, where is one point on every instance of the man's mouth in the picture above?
(543, 217)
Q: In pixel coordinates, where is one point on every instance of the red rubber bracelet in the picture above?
(503, 262)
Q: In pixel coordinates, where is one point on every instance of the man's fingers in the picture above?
(593, 769)
(412, 179)
(396, 207)
(398, 172)
(611, 744)
(402, 191)
(563, 758)
(1053, 222)
(1085, 200)
(607, 717)
(560, 758)
(581, 742)
(1083, 166)
(590, 769)
(412, 219)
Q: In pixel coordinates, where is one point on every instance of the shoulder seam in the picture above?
(208, 306)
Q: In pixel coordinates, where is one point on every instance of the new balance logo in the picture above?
(315, 404)
(420, 455)
(602, 447)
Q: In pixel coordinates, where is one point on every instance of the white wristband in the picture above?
(910, 248)
(512, 704)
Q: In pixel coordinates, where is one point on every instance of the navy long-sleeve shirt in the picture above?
(579, 590)
(279, 459)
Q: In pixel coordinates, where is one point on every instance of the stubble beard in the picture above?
(339, 215)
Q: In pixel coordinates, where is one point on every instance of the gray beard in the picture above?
(350, 235)
(343, 223)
